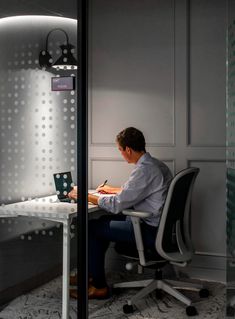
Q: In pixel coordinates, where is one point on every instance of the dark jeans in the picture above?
(108, 229)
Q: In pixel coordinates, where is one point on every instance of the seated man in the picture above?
(145, 190)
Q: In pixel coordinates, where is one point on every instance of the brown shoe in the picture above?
(93, 293)
(73, 293)
(98, 293)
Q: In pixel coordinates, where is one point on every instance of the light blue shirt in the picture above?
(145, 190)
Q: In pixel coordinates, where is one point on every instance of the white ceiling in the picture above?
(64, 8)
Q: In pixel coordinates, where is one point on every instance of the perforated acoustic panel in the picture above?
(38, 133)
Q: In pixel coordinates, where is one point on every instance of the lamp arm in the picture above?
(57, 29)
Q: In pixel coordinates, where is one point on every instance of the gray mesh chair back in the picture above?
(173, 240)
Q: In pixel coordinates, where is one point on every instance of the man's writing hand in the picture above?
(107, 189)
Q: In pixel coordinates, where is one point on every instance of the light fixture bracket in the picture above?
(66, 61)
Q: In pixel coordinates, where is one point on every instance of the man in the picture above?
(145, 190)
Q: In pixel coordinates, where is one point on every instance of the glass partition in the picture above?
(38, 166)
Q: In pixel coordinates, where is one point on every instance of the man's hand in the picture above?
(93, 199)
(74, 193)
(107, 189)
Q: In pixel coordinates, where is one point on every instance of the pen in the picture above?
(104, 183)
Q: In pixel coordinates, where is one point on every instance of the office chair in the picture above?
(173, 244)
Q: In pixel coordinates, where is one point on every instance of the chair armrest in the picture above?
(134, 213)
(135, 219)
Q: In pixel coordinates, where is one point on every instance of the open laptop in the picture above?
(63, 184)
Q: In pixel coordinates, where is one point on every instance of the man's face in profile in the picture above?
(126, 153)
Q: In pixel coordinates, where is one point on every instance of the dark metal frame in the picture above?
(82, 218)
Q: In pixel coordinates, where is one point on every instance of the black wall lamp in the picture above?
(65, 61)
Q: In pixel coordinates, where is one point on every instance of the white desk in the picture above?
(49, 208)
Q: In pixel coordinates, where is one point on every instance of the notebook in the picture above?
(63, 184)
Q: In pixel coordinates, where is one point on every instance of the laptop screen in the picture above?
(63, 184)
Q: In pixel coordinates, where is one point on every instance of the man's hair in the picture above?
(133, 138)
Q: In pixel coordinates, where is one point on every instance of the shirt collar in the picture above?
(143, 158)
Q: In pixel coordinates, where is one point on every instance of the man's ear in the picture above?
(128, 150)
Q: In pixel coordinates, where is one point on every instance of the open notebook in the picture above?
(94, 192)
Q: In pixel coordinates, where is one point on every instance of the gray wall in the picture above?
(160, 66)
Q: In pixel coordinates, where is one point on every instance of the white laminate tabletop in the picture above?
(45, 207)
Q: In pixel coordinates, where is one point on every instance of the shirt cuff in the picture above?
(99, 201)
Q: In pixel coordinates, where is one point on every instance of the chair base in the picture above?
(169, 286)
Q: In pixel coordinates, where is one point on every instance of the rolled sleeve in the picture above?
(111, 204)
(133, 192)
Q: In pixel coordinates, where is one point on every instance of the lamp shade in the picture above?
(66, 60)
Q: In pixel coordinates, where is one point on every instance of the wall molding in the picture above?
(117, 159)
(206, 145)
(173, 108)
(203, 160)
(188, 88)
(147, 144)
(212, 268)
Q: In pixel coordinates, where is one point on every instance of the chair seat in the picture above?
(131, 252)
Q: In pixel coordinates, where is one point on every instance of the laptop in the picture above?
(63, 184)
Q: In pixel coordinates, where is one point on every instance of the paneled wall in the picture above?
(160, 65)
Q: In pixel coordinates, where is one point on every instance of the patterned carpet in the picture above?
(45, 303)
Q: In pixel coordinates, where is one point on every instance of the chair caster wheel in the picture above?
(158, 294)
(204, 293)
(230, 311)
(128, 309)
(191, 311)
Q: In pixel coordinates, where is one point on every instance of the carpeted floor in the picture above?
(45, 303)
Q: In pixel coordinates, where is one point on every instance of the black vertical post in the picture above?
(82, 218)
